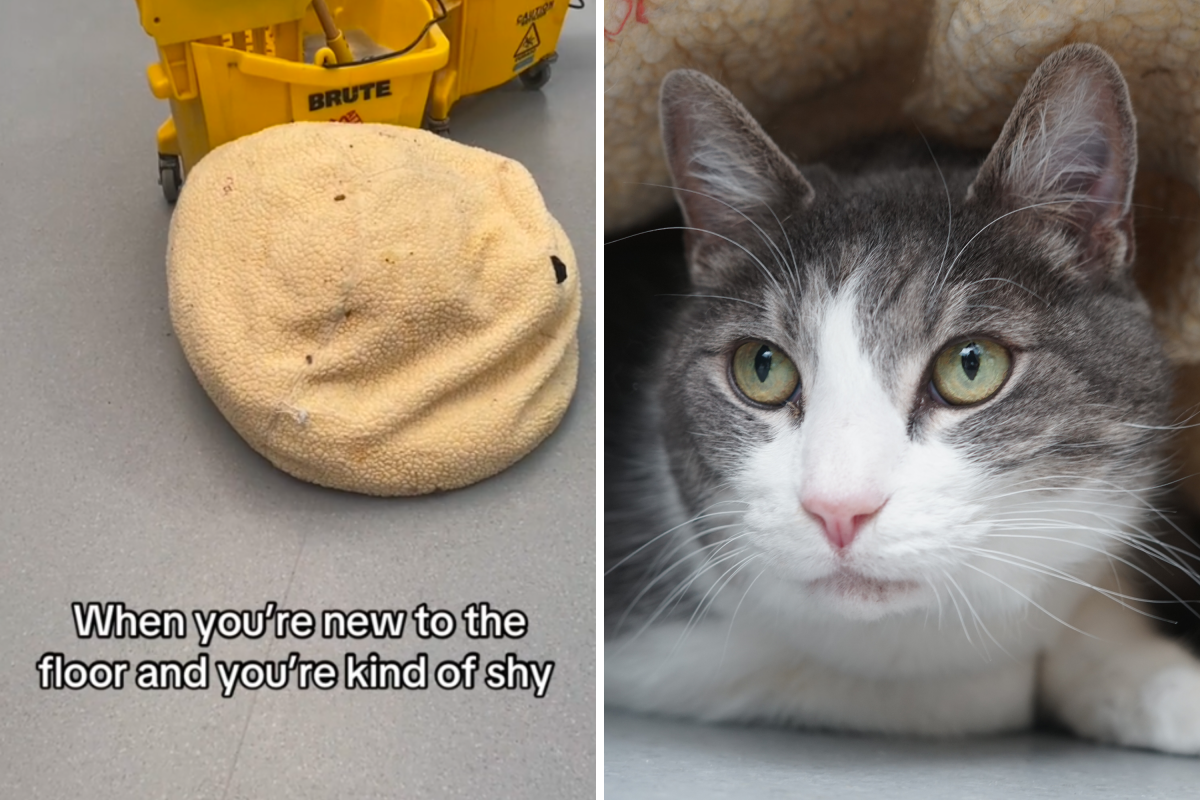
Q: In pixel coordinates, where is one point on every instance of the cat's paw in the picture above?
(1170, 718)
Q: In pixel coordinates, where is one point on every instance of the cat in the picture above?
(896, 458)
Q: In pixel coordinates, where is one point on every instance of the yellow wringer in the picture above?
(230, 68)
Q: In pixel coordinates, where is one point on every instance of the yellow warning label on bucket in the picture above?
(529, 43)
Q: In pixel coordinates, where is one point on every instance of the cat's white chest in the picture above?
(897, 676)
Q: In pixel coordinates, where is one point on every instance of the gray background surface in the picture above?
(651, 758)
(121, 481)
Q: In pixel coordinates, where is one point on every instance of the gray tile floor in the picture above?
(120, 481)
(651, 758)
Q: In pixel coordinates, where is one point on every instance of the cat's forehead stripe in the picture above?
(844, 364)
(849, 331)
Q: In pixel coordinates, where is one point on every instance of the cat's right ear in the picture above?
(1066, 159)
(732, 182)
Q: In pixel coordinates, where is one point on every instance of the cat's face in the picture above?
(877, 409)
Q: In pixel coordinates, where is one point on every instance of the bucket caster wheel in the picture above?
(439, 126)
(170, 176)
(538, 75)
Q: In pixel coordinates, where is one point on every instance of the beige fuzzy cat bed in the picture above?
(374, 308)
(819, 72)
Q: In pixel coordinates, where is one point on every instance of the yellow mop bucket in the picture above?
(492, 42)
(233, 67)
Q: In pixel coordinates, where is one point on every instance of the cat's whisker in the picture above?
(1191, 413)
(1146, 547)
(1030, 600)
(1044, 569)
(1112, 566)
(1011, 282)
(677, 594)
(979, 623)
(1084, 479)
(1066, 501)
(669, 531)
(958, 609)
(738, 607)
(1133, 534)
(1124, 561)
(788, 240)
(938, 598)
(762, 267)
(775, 249)
(654, 575)
(1031, 514)
(1151, 507)
(925, 623)
(700, 533)
(1068, 497)
(1086, 508)
(962, 250)
(1142, 542)
(1079, 488)
(683, 542)
(688, 557)
(715, 590)
(949, 203)
(1022, 512)
(1159, 427)
(717, 297)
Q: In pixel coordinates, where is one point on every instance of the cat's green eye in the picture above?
(970, 371)
(764, 374)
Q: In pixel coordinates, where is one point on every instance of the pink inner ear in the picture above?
(1107, 191)
(1088, 184)
(1093, 172)
(1072, 159)
(1072, 152)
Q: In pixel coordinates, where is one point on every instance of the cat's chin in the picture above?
(861, 596)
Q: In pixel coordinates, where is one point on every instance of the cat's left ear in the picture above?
(1067, 155)
(732, 182)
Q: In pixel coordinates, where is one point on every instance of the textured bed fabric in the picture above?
(954, 66)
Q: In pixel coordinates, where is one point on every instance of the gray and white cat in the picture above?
(897, 456)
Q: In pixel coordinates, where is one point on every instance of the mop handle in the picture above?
(333, 37)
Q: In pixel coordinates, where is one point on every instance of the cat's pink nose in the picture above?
(842, 517)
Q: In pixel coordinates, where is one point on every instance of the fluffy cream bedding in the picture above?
(375, 308)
